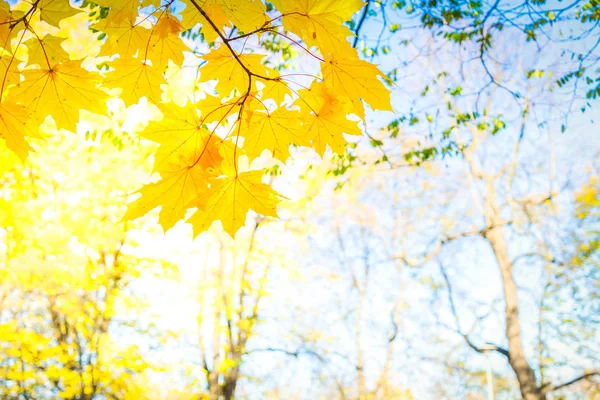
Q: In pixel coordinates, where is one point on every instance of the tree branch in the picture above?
(549, 388)
(360, 22)
(465, 336)
(226, 43)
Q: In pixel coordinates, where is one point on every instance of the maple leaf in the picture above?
(60, 91)
(246, 15)
(125, 39)
(136, 79)
(167, 26)
(180, 132)
(120, 10)
(275, 89)
(274, 131)
(319, 22)
(165, 43)
(354, 79)
(8, 71)
(8, 29)
(14, 127)
(187, 160)
(191, 16)
(54, 11)
(230, 198)
(155, 3)
(213, 109)
(173, 193)
(229, 72)
(325, 119)
(46, 51)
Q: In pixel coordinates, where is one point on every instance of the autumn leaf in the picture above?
(14, 127)
(188, 158)
(275, 132)
(320, 23)
(213, 109)
(8, 71)
(352, 80)
(179, 185)
(232, 72)
(47, 51)
(275, 89)
(60, 91)
(230, 198)
(9, 29)
(165, 43)
(167, 25)
(125, 39)
(54, 11)
(120, 10)
(181, 131)
(191, 16)
(155, 3)
(246, 15)
(325, 119)
(136, 79)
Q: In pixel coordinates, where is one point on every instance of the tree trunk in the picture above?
(495, 236)
(231, 382)
(360, 364)
(518, 361)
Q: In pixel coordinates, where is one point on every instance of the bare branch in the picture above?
(550, 388)
(360, 22)
(465, 336)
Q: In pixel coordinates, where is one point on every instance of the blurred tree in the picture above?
(69, 272)
(232, 291)
(470, 71)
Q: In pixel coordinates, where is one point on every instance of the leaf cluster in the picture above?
(253, 109)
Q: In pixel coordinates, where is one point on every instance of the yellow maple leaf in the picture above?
(178, 187)
(136, 79)
(167, 25)
(46, 51)
(224, 67)
(60, 91)
(187, 159)
(324, 119)
(9, 73)
(213, 109)
(353, 79)
(246, 15)
(274, 131)
(125, 39)
(165, 43)
(319, 22)
(191, 16)
(276, 90)
(9, 29)
(14, 127)
(120, 10)
(54, 11)
(155, 3)
(230, 198)
(181, 131)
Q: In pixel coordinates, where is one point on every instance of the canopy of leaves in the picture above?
(137, 49)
